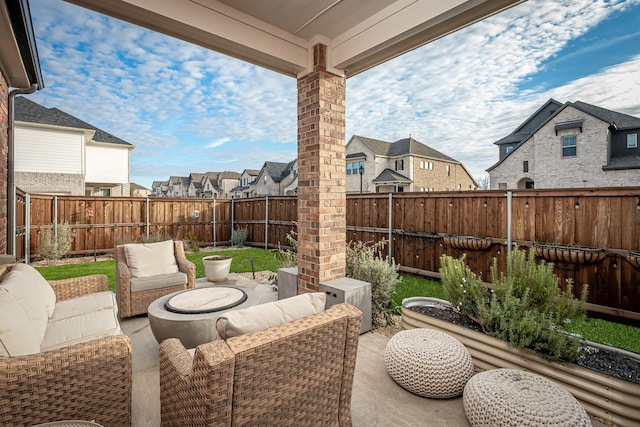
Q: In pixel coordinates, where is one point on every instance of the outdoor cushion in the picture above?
(27, 294)
(263, 316)
(150, 259)
(30, 274)
(17, 336)
(81, 328)
(84, 304)
(157, 282)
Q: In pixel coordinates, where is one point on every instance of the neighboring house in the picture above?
(159, 188)
(198, 185)
(138, 190)
(277, 179)
(56, 153)
(247, 183)
(178, 186)
(567, 146)
(404, 165)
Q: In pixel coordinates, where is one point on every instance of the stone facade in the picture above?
(4, 148)
(321, 167)
(41, 182)
(548, 168)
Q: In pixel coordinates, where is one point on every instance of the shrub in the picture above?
(365, 262)
(192, 241)
(288, 257)
(239, 236)
(525, 306)
(55, 241)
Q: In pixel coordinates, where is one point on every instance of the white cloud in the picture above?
(218, 143)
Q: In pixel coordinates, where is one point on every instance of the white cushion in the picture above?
(28, 295)
(263, 316)
(45, 289)
(17, 336)
(85, 304)
(81, 328)
(150, 259)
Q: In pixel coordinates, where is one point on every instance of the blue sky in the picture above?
(187, 109)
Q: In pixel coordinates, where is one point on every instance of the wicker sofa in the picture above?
(62, 352)
(148, 271)
(297, 373)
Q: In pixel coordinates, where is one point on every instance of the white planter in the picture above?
(216, 267)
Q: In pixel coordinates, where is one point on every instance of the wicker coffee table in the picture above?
(191, 315)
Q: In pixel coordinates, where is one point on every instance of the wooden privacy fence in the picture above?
(420, 227)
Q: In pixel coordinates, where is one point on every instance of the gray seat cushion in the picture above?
(159, 281)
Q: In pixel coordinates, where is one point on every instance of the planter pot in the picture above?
(611, 399)
(467, 242)
(554, 253)
(217, 267)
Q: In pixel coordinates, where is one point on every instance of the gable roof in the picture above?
(277, 170)
(619, 121)
(402, 147)
(389, 175)
(31, 112)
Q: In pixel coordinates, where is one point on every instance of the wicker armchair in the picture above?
(90, 380)
(299, 373)
(131, 303)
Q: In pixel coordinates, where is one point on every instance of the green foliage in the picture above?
(606, 332)
(412, 286)
(365, 262)
(55, 241)
(239, 236)
(525, 306)
(192, 241)
(288, 257)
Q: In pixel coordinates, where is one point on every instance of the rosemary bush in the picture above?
(365, 262)
(525, 306)
(239, 236)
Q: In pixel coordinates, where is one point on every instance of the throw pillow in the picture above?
(17, 336)
(151, 259)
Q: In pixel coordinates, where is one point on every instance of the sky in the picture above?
(187, 109)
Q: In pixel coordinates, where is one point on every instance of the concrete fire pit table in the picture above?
(191, 315)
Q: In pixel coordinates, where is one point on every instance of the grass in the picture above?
(262, 260)
(597, 330)
(602, 331)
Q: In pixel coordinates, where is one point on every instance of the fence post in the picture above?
(509, 213)
(214, 223)
(12, 228)
(148, 224)
(55, 218)
(27, 228)
(266, 222)
(390, 228)
(233, 216)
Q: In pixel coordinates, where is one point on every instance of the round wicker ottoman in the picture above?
(428, 363)
(509, 397)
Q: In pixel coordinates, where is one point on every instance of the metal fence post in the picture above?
(214, 223)
(509, 219)
(233, 216)
(12, 228)
(390, 228)
(148, 223)
(55, 218)
(266, 222)
(27, 228)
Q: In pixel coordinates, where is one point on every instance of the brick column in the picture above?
(321, 179)
(4, 147)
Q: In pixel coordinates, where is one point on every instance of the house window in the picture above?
(448, 170)
(105, 191)
(265, 179)
(421, 164)
(509, 149)
(632, 140)
(430, 166)
(502, 185)
(399, 165)
(569, 146)
(525, 166)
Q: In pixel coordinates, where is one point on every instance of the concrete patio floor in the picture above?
(377, 400)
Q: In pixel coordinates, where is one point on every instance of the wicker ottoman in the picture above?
(428, 363)
(509, 397)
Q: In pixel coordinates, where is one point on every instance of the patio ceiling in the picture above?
(280, 34)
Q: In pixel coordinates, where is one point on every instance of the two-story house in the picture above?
(568, 146)
(160, 188)
(277, 179)
(57, 153)
(405, 165)
(247, 183)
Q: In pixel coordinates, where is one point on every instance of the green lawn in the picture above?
(262, 260)
(615, 334)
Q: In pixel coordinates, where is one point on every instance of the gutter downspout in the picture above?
(11, 199)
